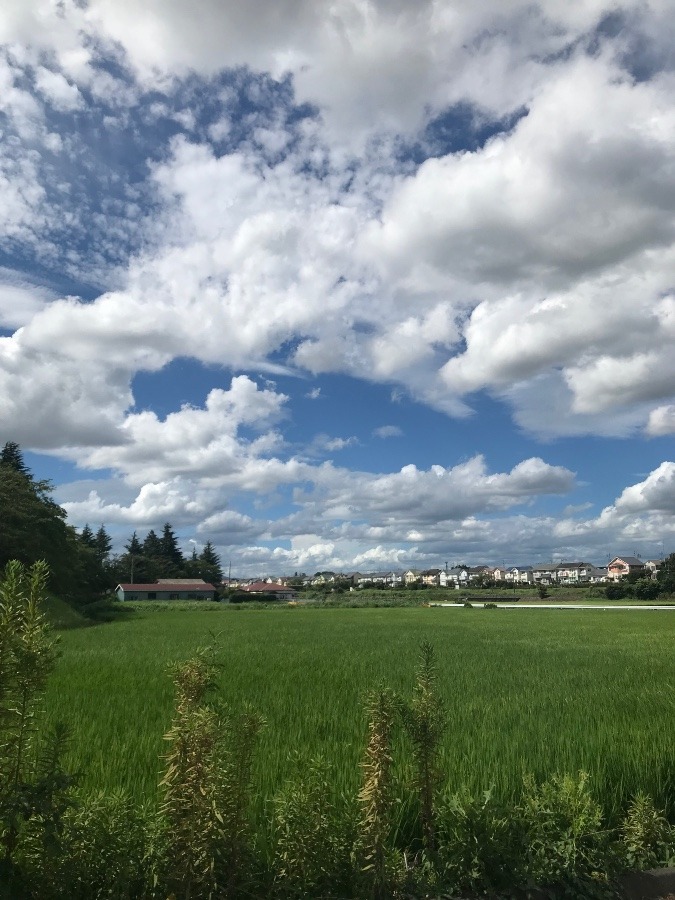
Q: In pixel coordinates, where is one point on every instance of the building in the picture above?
(166, 589)
(277, 591)
(578, 573)
(621, 566)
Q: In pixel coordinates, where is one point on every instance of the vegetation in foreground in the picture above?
(396, 836)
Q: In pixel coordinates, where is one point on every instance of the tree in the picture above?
(11, 456)
(134, 546)
(169, 543)
(210, 567)
(103, 544)
(34, 526)
(152, 546)
(87, 537)
(646, 589)
(666, 576)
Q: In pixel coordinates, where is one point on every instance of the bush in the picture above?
(479, 849)
(646, 589)
(565, 842)
(647, 840)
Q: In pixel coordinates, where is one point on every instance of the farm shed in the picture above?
(167, 590)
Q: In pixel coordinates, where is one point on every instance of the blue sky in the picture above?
(351, 285)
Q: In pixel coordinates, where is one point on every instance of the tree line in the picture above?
(81, 564)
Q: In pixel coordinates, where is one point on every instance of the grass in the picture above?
(542, 692)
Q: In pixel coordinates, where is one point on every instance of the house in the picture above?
(621, 566)
(545, 573)
(653, 567)
(167, 589)
(379, 579)
(431, 577)
(277, 591)
(577, 572)
(519, 574)
(456, 577)
(412, 576)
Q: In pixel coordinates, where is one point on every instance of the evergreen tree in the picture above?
(134, 546)
(33, 526)
(103, 544)
(170, 549)
(210, 568)
(11, 456)
(87, 537)
(152, 546)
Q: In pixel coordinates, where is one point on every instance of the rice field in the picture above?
(540, 692)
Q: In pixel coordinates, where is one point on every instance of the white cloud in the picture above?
(388, 431)
(19, 299)
(438, 494)
(57, 90)
(655, 494)
(662, 420)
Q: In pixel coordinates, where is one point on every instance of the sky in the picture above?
(349, 285)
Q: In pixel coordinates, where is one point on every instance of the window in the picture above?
(173, 596)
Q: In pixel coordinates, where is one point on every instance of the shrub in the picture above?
(647, 839)
(313, 836)
(564, 838)
(478, 848)
(34, 788)
(646, 589)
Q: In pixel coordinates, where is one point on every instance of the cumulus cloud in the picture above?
(413, 495)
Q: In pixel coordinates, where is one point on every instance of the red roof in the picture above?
(259, 587)
(167, 586)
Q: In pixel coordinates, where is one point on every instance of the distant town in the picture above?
(285, 587)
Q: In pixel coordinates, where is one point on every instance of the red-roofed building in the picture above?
(167, 590)
(278, 591)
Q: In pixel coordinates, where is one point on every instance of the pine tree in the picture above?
(134, 546)
(103, 544)
(87, 537)
(210, 568)
(33, 526)
(11, 456)
(170, 549)
(152, 546)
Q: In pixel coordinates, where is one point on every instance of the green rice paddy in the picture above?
(534, 691)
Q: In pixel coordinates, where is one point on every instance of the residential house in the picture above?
(621, 566)
(277, 591)
(519, 574)
(455, 577)
(653, 567)
(545, 573)
(412, 576)
(577, 572)
(431, 577)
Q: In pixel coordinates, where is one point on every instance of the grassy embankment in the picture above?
(541, 692)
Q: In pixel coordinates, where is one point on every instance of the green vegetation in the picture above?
(405, 823)
(537, 691)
